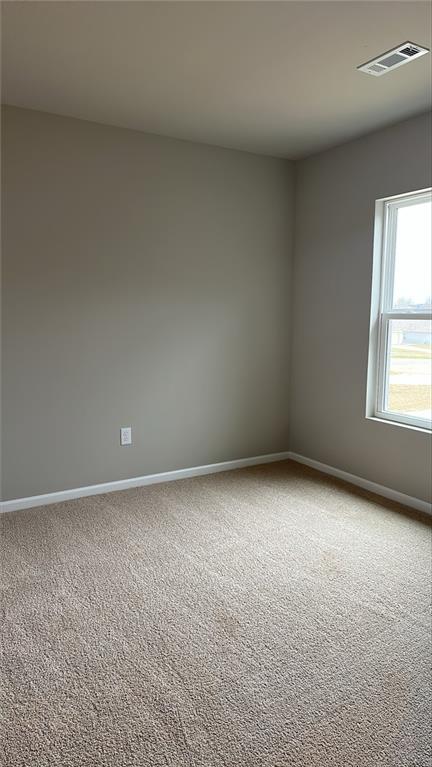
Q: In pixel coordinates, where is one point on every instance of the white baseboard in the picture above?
(195, 471)
(373, 487)
(149, 479)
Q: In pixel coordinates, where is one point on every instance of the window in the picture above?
(399, 386)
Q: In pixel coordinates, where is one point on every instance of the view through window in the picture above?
(404, 390)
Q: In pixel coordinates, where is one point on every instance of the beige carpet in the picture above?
(266, 617)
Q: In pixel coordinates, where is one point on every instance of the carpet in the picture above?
(265, 617)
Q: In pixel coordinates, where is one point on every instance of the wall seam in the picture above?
(295, 166)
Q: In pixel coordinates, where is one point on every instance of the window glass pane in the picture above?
(413, 280)
(409, 390)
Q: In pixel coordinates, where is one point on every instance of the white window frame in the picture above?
(382, 308)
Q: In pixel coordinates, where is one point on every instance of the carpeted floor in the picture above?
(266, 617)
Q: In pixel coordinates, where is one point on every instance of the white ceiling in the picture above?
(273, 77)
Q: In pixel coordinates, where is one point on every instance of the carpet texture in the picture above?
(266, 617)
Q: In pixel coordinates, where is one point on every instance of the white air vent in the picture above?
(392, 59)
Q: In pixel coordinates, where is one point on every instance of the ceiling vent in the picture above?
(392, 59)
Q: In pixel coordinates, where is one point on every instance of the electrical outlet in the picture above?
(126, 435)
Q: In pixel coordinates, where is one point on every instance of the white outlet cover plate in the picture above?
(126, 435)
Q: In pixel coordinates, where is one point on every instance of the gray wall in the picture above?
(145, 283)
(335, 199)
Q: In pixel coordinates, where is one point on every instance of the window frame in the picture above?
(382, 311)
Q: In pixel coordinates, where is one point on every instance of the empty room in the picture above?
(216, 407)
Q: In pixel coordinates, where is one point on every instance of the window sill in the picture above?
(390, 422)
